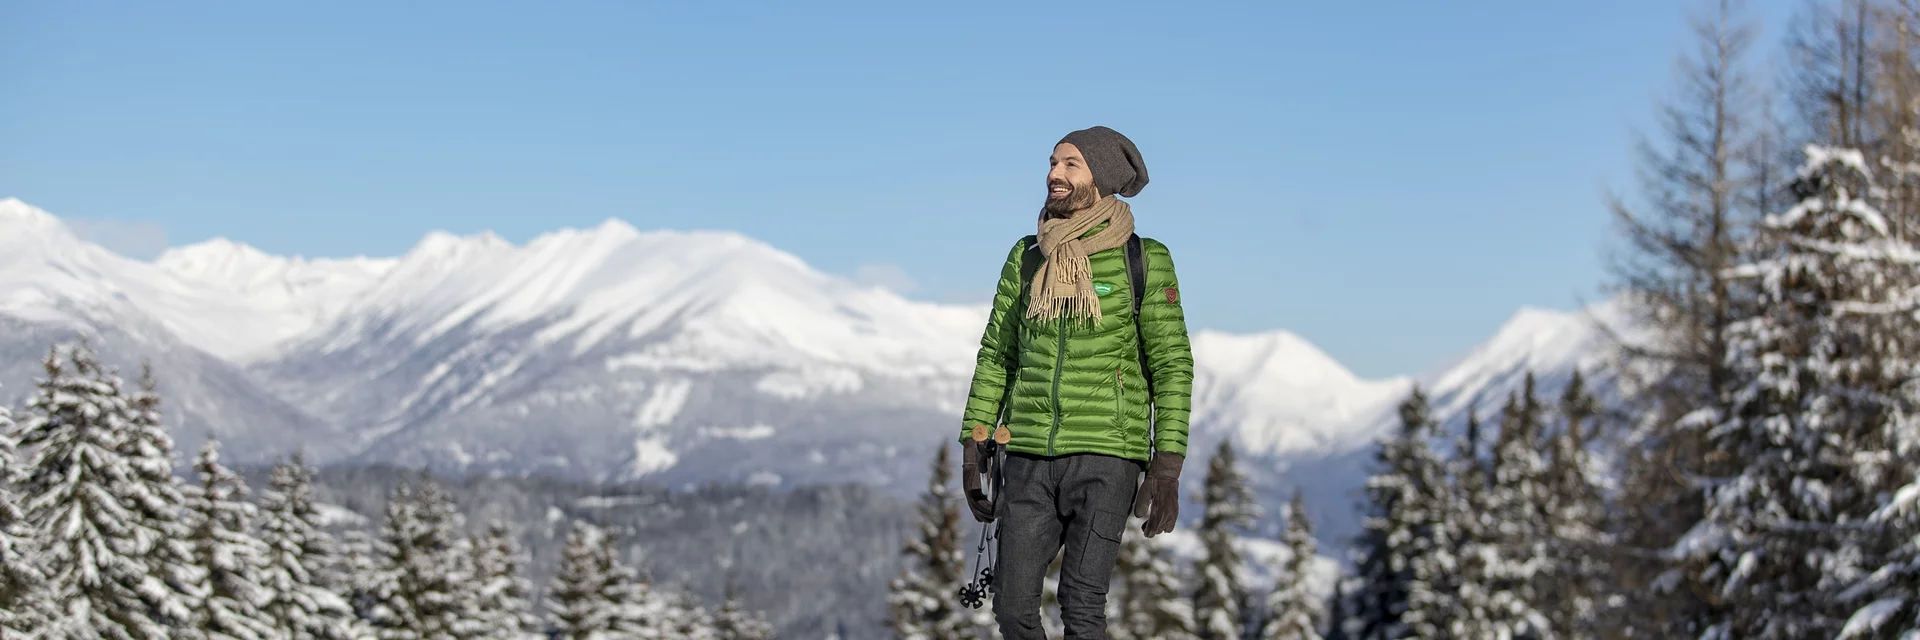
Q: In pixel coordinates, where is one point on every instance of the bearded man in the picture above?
(1085, 374)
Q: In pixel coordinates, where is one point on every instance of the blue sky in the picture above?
(1388, 180)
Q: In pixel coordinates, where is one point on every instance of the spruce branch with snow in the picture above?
(1147, 602)
(503, 590)
(922, 600)
(1296, 612)
(577, 606)
(303, 567)
(1822, 393)
(102, 520)
(1227, 509)
(232, 560)
(734, 622)
(1406, 505)
(27, 608)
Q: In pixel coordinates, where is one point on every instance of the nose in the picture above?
(1058, 172)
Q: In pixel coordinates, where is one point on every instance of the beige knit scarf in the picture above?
(1063, 285)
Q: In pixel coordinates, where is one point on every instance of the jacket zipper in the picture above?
(1059, 358)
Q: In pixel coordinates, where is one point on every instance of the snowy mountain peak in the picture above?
(19, 218)
(217, 252)
(440, 244)
(1280, 354)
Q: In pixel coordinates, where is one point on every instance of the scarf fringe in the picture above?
(1064, 285)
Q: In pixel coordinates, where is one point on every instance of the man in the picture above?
(1062, 360)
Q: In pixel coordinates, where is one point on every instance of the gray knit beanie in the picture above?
(1115, 162)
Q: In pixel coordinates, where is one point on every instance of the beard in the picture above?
(1078, 197)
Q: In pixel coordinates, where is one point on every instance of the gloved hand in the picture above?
(970, 462)
(1158, 499)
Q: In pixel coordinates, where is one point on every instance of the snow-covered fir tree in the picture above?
(1405, 503)
(364, 583)
(1571, 584)
(577, 606)
(688, 618)
(1464, 589)
(502, 588)
(1295, 613)
(232, 559)
(638, 609)
(303, 566)
(149, 451)
(1503, 558)
(1146, 602)
(428, 567)
(735, 622)
(923, 602)
(1810, 430)
(87, 500)
(1227, 510)
(26, 607)
(1889, 597)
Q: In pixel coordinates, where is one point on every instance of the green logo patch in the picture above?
(1102, 288)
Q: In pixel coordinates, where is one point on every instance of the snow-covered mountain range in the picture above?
(614, 353)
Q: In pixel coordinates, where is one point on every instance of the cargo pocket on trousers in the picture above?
(1102, 546)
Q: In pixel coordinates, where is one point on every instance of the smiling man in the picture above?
(1086, 373)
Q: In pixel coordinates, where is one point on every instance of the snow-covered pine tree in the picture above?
(688, 618)
(1465, 591)
(1811, 430)
(502, 589)
(1147, 602)
(428, 566)
(26, 607)
(1405, 502)
(1227, 510)
(1295, 612)
(735, 622)
(84, 496)
(923, 601)
(149, 451)
(577, 608)
(1571, 584)
(1889, 597)
(365, 584)
(637, 609)
(227, 553)
(302, 564)
(1504, 557)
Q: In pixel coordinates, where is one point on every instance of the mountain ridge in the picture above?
(613, 353)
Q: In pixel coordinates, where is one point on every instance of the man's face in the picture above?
(1069, 182)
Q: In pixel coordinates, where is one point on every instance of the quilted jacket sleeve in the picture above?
(999, 349)
(1163, 330)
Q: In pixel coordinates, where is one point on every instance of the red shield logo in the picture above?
(1173, 295)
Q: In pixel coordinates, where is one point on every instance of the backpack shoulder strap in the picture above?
(1137, 277)
(1030, 260)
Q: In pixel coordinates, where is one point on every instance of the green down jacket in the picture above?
(1072, 387)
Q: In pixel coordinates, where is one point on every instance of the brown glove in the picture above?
(1158, 499)
(977, 501)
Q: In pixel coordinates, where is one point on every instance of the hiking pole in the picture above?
(974, 594)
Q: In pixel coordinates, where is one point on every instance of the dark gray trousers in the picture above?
(1077, 501)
